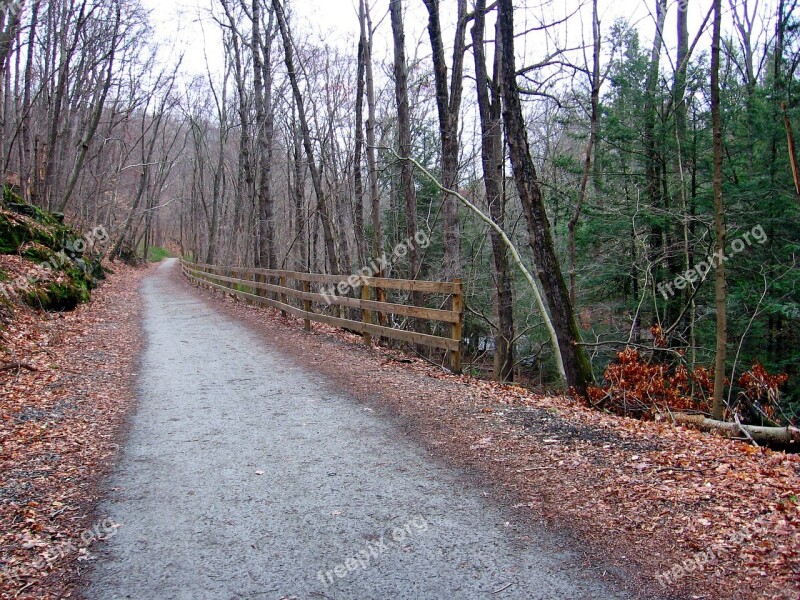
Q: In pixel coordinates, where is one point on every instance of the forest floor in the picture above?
(687, 514)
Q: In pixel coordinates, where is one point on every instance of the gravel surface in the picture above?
(246, 475)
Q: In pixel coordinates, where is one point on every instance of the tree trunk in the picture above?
(374, 197)
(719, 218)
(660, 250)
(791, 149)
(490, 109)
(11, 11)
(375, 207)
(245, 179)
(60, 93)
(448, 102)
(8, 35)
(682, 228)
(768, 436)
(578, 370)
(95, 118)
(299, 195)
(587, 163)
(28, 165)
(404, 135)
(358, 180)
(262, 81)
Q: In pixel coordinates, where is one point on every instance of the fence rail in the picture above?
(254, 285)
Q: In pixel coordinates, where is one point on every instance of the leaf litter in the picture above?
(65, 392)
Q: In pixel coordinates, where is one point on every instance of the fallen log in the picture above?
(18, 366)
(769, 436)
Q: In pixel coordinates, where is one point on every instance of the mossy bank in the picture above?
(54, 267)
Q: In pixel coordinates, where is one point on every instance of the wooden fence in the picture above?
(256, 285)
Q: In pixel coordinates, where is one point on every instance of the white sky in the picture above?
(185, 25)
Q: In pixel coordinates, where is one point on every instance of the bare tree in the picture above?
(316, 179)
(594, 83)
(375, 207)
(492, 158)
(100, 96)
(358, 180)
(720, 285)
(151, 128)
(404, 132)
(577, 368)
(10, 17)
(26, 165)
(9, 29)
(262, 80)
(245, 176)
(448, 103)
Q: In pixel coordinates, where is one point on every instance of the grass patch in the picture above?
(157, 254)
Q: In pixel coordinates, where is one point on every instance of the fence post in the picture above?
(366, 315)
(380, 296)
(260, 279)
(250, 289)
(307, 305)
(455, 330)
(282, 283)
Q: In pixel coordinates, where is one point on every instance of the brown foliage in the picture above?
(642, 388)
(639, 388)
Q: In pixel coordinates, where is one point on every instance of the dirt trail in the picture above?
(245, 475)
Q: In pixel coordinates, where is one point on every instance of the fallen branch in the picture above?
(505, 587)
(403, 360)
(770, 436)
(744, 430)
(17, 365)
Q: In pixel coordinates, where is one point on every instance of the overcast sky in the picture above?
(185, 25)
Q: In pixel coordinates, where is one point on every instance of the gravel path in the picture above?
(245, 475)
